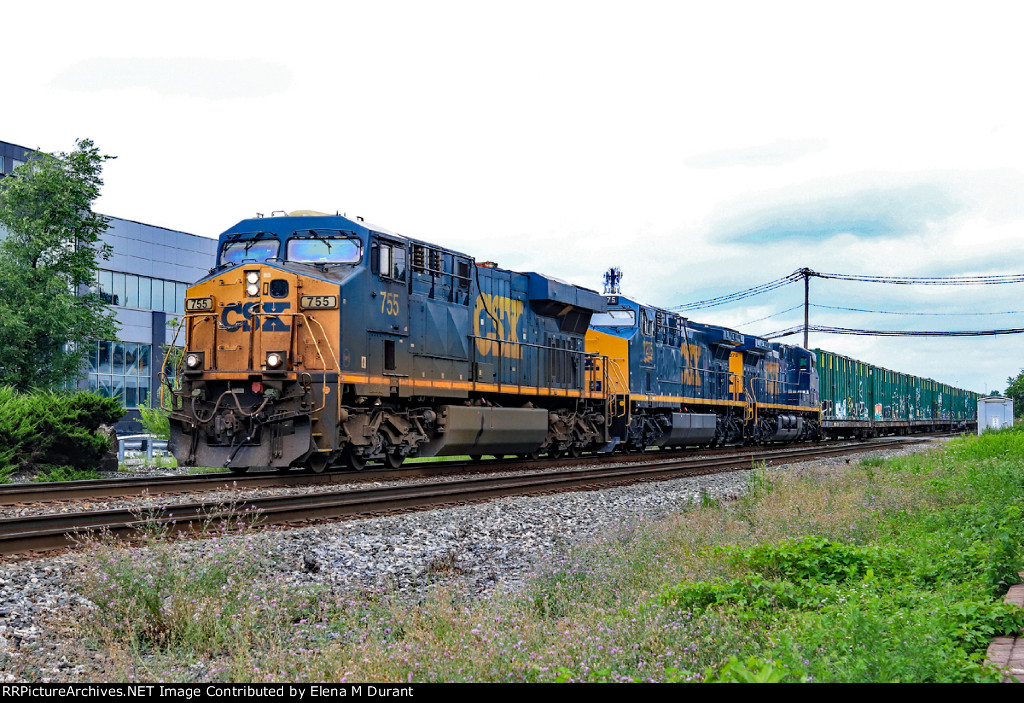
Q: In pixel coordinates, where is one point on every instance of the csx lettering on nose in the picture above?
(237, 315)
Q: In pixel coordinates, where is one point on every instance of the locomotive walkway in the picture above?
(1008, 652)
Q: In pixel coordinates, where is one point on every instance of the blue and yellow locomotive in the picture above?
(675, 382)
(320, 341)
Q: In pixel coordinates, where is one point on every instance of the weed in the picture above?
(64, 473)
(751, 670)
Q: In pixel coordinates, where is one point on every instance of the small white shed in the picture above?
(994, 413)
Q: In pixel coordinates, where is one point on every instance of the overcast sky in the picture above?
(701, 147)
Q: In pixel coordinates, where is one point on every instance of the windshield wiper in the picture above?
(318, 237)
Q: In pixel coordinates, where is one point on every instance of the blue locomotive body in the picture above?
(678, 382)
(383, 347)
(321, 341)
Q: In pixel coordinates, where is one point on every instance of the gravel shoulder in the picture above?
(485, 548)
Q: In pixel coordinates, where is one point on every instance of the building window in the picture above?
(142, 292)
(120, 370)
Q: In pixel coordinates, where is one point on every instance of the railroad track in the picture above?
(55, 531)
(62, 491)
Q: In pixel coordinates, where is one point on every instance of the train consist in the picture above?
(320, 342)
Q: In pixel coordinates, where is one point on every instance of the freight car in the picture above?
(863, 400)
(319, 341)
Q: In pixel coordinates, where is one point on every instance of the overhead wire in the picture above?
(891, 333)
(740, 295)
(904, 312)
(768, 317)
(923, 280)
(892, 280)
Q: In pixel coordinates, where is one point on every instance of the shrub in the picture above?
(53, 429)
(813, 558)
(155, 419)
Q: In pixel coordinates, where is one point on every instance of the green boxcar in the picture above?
(862, 399)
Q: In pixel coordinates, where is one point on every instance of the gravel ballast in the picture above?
(485, 548)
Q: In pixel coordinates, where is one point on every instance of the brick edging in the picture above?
(1007, 653)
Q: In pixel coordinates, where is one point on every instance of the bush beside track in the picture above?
(44, 432)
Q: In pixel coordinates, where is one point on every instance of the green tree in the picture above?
(48, 262)
(1015, 392)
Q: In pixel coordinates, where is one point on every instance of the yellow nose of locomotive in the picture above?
(258, 382)
(260, 319)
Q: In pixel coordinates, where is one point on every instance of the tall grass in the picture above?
(885, 570)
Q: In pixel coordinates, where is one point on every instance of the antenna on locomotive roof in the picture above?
(611, 281)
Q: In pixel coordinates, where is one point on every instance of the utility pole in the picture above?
(806, 273)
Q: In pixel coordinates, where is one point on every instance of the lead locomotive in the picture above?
(319, 341)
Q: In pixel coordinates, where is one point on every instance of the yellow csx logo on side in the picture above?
(497, 318)
(691, 361)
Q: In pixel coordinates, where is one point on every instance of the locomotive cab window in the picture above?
(391, 261)
(250, 250)
(614, 318)
(318, 246)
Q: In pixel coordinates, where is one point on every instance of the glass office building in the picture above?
(144, 282)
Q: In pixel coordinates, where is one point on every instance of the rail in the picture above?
(36, 532)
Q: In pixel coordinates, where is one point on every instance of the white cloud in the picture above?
(217, 79)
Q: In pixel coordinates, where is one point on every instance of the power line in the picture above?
(768, 317)
(925, 280)
(805, 273)
(892, 333)
(740, 295)
(896, 312)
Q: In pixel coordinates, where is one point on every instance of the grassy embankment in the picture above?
(885, 570)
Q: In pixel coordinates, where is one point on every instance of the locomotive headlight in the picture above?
(252, 279)
(275, 361)
(193, 361)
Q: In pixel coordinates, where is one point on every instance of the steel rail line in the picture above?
(54, 531)
(26, 493)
